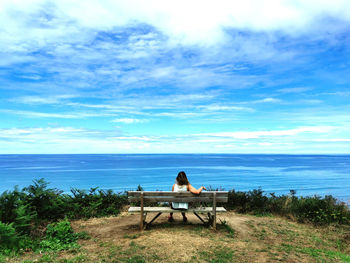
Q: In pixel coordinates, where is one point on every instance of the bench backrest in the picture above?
(181, 197)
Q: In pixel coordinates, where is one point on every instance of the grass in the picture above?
(239, 238)
(217, 255)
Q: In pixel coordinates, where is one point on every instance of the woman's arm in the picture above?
(194, 190)
(172, 189)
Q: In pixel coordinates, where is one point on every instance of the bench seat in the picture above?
(137, 209)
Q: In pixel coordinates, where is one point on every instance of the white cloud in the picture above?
(41, 99)
(224, 108)
(332, 140)
(137, 61)
(309, 101)
(78, 140)
(129, 120)
(271, 133)
(294, 90)
(62, 115)
(197, 21)
(266, 100)
(16, 131)
(134, 138)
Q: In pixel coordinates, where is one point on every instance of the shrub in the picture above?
(314, 209)
(321, 210)
(23, 220)
(46, 203)
(252, 201)
(59, 236)
(94, 203)
(9, 202)
(8, 237)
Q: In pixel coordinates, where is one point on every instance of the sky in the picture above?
(158, 76)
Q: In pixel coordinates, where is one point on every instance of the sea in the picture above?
(308, 175)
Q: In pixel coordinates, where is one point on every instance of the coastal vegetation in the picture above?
(39, 218)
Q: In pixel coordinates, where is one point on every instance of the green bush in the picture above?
(94, 203)
(321, 210)
(252, 201)
(316, 210)
(8, 237)
(39, 204)
(46, 203)
(24, 219)
(59, 236)
(9, 203)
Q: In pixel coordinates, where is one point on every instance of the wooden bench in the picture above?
(197, 208)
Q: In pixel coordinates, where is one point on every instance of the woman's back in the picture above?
(180, 188)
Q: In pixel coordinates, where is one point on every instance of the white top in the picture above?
(180, 188)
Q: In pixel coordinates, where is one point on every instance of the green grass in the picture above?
(231, 232)
(320, 255)
(218, 255)
(134, 236)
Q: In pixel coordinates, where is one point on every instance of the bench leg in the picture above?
(141, 214)
(210, 219)
(214, 211)
(154, 218)
(200, 218)
(141, 222)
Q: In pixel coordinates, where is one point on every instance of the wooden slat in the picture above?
(183, 194)
(178, 199)
(137, 209)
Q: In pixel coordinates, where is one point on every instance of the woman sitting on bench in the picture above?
(182, 185)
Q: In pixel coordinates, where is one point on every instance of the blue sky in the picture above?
(174, 76)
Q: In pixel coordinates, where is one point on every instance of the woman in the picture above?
(182, 185)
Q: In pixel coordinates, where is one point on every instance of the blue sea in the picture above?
(307, 174)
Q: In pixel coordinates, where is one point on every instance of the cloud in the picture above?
(332, 140)
(266, 100)
(129, 120)
(239, 72)
(194, 22)
(41, 99)
(63, 115)
(204, 21)
(273, 133)
(309, 101)
(82, 46)
(216, 108)
(294, 90)
(74, 140)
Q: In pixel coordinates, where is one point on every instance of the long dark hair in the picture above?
(181, 178)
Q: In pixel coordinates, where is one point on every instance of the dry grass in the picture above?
(239, 238)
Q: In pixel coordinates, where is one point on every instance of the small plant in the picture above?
(231, 232)
(139, 188)
(83, 235)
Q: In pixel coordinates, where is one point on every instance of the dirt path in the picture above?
(128, 224)
(177, 240)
